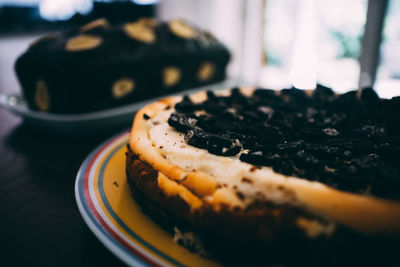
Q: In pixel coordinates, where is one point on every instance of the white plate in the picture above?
(98, 121)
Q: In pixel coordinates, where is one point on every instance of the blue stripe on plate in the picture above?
(133, 259)
(82, 200)
(115, 216)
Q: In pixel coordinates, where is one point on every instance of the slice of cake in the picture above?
(258, 173)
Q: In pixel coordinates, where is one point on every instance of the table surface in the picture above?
(40, 224)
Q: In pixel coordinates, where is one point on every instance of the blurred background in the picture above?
(343, 44)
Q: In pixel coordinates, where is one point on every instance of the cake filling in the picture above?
(347, 142)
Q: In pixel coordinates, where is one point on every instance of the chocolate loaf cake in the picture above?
(261, 174)
(100, 66)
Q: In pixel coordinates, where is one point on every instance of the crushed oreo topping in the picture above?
(350, 142)
(145, 116)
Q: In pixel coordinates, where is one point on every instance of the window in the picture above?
(388, 78)
(308, 41)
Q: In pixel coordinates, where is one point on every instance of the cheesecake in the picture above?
(257, 173)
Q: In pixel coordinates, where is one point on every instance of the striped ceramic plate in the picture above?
(104, 200)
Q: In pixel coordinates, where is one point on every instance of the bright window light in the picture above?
(64, 9)
(388, 78)
(308, 41)
(303, 67)
(145, 2)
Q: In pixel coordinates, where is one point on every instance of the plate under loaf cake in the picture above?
(261, 174)
(99, 65)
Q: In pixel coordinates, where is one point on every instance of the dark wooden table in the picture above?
(40, 224)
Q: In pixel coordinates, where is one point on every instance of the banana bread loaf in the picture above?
(100, 66)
